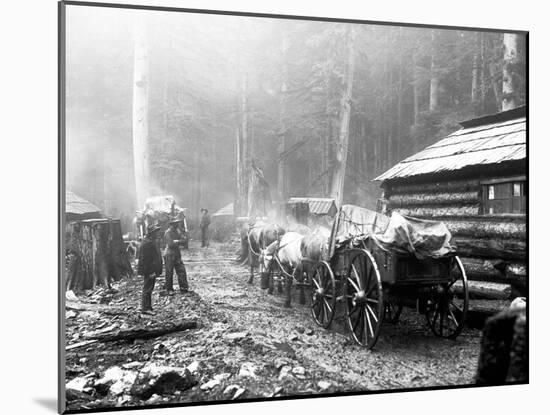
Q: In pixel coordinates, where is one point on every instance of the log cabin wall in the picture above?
(492, 248)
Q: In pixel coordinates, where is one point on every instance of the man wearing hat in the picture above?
(204, 224)
(150, 266)
(172, 258)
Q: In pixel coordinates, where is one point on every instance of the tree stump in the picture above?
(503, 358)
(95, 254)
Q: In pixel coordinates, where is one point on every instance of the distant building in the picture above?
(474, 180)
(77, 208)
(226, 213)
(311, 210)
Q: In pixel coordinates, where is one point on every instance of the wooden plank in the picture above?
(508, 249)
(143, 332)
(436, 187)
(487, 229)
(488, 307)
(430, 212)
(80, 344)
(446, 198)
(504, 180)
(483, 269)
(485, 290)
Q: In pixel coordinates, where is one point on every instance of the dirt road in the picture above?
(248, 340)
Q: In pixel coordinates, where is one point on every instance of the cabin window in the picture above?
(504, 196)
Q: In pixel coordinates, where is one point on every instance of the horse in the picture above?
(260, 235)
(285, 254)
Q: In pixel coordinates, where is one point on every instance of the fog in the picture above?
(197, 64)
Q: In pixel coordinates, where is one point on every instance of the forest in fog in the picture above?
(321, 108)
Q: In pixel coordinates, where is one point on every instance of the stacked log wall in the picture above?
(492, 247)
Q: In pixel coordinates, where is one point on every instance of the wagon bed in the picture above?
(374, 258)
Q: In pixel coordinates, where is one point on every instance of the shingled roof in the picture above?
(227, 210)
(77, 206)
(487, 140)
(317, 205)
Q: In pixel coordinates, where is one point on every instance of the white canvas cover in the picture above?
(398, 233)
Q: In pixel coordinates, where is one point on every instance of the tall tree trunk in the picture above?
(510, 92)
(238, 204)
(483, 77)
(140, 113)
(198, 175)
(434, 75)
(338, 177)
(281, 168)
(494, 56)
(388, 118)
(364, 149)
(400, 91)
(476, 75)
(416, 96)
(245, 145)
(416, 88)
(327, 138)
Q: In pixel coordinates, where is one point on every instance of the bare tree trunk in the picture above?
(327, 139)
(140, 111)
(495, 75)
(416, 88)
(281, 168)
(476, 75)
(400, 91)
(198, 176)
(239, 164)
(364, 149)
(245, 145)
(510, 98)
(434, 76)
(389, 120)
(339, 174)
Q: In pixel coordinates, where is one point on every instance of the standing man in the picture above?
(205, 222)
(150, 266)
(172, 258)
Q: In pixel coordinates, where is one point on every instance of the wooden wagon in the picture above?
(373, 281)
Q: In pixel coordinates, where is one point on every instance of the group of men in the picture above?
(150, 259)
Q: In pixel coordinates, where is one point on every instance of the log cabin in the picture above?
(475, 181)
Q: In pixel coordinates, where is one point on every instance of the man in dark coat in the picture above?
(204, 224)
(150, 266)
(172, 258)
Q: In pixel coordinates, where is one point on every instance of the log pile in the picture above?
(95, 254)
(492, 247)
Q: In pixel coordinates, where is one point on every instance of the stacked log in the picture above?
(492, 247)
(95, 254)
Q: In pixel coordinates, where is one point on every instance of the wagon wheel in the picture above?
(447, 308)
(364, 298)
(323, 295)
(392, 311)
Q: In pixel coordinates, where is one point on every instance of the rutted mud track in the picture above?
(247, 336)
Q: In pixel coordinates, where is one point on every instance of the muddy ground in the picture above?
(247, 345)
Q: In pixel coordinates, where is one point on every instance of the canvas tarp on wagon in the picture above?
(398, 233)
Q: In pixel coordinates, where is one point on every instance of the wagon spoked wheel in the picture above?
(364, 298)
(392, 311)
(323, 294)
(447, 308)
